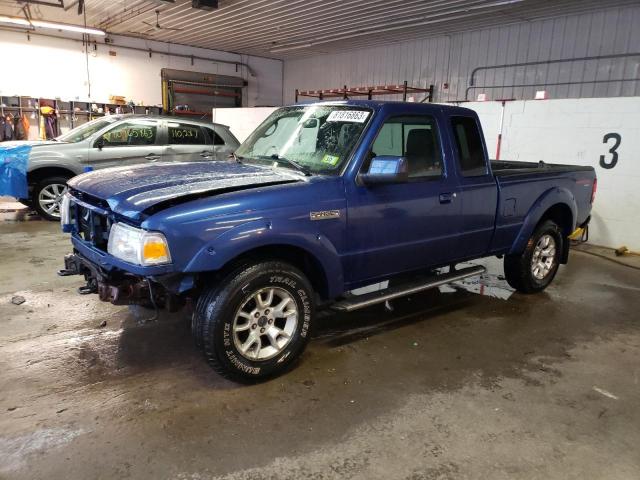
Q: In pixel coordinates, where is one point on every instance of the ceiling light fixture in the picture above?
(23, 22)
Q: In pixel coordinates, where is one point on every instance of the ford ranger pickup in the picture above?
(320, 201)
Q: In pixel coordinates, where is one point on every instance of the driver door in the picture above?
(398, 227)
(127, 143)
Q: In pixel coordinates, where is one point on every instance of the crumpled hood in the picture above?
(130, 191)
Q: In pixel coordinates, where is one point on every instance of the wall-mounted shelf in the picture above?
(71, 113)
(366, 91)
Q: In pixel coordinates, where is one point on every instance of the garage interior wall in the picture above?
(603, 133)
(451, 59)
(48, 67)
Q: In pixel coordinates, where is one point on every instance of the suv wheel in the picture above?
(256, 322)
(47, 196)
(535, 268)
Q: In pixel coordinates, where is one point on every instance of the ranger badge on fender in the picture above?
(324, 215)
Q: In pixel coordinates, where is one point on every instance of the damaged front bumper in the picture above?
(120, 287)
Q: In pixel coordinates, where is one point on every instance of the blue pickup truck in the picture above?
(319, 202)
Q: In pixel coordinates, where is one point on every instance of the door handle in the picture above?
(152, 157)
(206, 154)
(447, 197)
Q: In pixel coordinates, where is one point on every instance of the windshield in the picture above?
(85, 130)
(318, 138)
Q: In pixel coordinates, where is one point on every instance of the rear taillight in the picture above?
(593, 192)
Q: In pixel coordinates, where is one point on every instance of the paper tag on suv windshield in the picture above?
(357, 116)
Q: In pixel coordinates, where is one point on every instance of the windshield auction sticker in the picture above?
(357, 116)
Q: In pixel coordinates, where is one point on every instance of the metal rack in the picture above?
(367, 91)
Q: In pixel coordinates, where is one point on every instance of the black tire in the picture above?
(213, 320)
(196, 324)
(35, 196)
(518, 268)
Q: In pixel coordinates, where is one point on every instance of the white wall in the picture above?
(451, 58)
(56, 68)
(571, 131)
(241, 121)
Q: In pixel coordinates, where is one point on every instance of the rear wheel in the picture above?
(534, 269)
(256, 322)
(47, 197)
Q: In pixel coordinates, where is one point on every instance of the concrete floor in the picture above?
(450, 386)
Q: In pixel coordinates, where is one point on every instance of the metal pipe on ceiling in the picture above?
(147, 50)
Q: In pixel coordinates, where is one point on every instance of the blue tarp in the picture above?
(13, 171)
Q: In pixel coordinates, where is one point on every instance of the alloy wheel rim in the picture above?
(544, 257)
(264, 324)
(50, 198)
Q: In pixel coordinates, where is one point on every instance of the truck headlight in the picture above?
(138, 246)
(65, 211)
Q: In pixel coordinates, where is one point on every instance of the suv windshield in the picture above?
(78, 134)
(318, 138)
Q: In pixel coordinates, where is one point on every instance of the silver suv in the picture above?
(118, 140)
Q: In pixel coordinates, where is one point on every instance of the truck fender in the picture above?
(261, 233)
(551, 197)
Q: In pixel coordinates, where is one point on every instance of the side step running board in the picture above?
(361, 301)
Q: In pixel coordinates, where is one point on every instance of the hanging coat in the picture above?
(42, 134)
(8, 128)
(18, 129)
(26, 125)
(51, 126)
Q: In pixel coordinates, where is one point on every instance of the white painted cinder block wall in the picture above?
(572, 131)
(51, 67)
(555, 131)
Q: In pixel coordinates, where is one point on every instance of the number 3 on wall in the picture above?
(613, 150)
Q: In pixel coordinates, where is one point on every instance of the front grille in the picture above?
(91, 226)
(90, 199)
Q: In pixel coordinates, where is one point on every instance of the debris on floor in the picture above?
(621, 251)
(18, 300)
(601, 391)
(487, 284)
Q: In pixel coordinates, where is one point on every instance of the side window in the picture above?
(415, 138)
(469, 146)
(133, 133)
(212, 135)
(186, 134)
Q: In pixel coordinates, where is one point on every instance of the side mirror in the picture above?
(386, 169)
(99, 143)
(310, 123)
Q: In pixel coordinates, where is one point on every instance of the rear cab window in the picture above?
(469, 147)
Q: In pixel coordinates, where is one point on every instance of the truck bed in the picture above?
(504, 168)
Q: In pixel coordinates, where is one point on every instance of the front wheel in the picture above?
(47, 197)
(534, 269)
(256, 322)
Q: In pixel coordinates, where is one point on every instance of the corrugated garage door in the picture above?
(195, 94)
